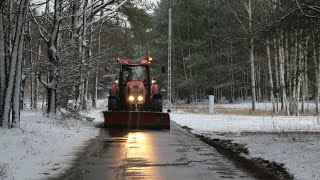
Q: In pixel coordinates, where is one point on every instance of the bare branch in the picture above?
(303, 11)
(314, 8)
(98, 8)
(46, 85)
(244, 28)
(40, 28)
(107, 14)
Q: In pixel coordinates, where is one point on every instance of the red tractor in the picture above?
(135, 101)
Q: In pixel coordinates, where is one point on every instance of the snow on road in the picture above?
(294, 141)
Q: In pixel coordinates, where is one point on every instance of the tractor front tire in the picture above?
(112, 103)
(156, 104)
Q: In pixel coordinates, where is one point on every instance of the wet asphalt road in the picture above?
(150, 154)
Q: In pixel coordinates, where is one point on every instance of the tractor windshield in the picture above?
(135, 73)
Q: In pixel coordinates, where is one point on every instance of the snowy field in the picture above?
(294, 141)
(265, 106)
(309, 105)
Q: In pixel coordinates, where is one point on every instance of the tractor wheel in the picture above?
(112, 104)
(157, 105)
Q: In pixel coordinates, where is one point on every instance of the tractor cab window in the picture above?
(135, 73)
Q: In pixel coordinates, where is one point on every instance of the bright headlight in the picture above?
(116, 81)
(140, 98)
(131, 98)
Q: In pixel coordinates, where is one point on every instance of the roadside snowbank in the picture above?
(294, 141)
(42, 147)
(224, 123)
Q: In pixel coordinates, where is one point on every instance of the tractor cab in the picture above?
(134, 73)
(135, 90)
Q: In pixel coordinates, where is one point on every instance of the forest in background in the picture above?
(241, 50)
(60, 54)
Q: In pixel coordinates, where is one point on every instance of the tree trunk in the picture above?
(13, 66)
(2, 66)
(83, 58)
(9, 36)
(94, 88)
(295, 72)
(54, 60)
(276, 73)
(300, 68)
(288, 76)
(94, 72)
(32, 64)
(17, 87)
(318, 82)
(231, 76)
(305, 77)
(35, 80)
(317, 71)
(258, 83)
(305, 85)
(270, 77)
(282, 78)
(251, 50)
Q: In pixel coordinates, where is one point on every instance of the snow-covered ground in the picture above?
(42, 147)
(294, 141)
(309, 105)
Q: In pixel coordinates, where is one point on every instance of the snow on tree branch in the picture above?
(108, 13)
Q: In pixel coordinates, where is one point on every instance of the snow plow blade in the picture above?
(136, 120)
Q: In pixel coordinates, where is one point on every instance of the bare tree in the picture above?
(83, 15)
(316, 61)
(14, 68)
(249, 6)
(2, 64)
(284, 102)
(270, 77)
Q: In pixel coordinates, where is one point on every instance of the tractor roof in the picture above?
(135, 63)
(142, 62)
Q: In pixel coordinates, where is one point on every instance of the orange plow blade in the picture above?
(133, 119)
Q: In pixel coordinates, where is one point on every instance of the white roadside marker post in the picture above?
(211, 104)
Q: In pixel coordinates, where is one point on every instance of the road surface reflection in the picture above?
(140, 157)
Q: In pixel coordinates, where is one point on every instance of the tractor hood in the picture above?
(135, 87)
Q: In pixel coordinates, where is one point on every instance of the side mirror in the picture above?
(163, 69)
